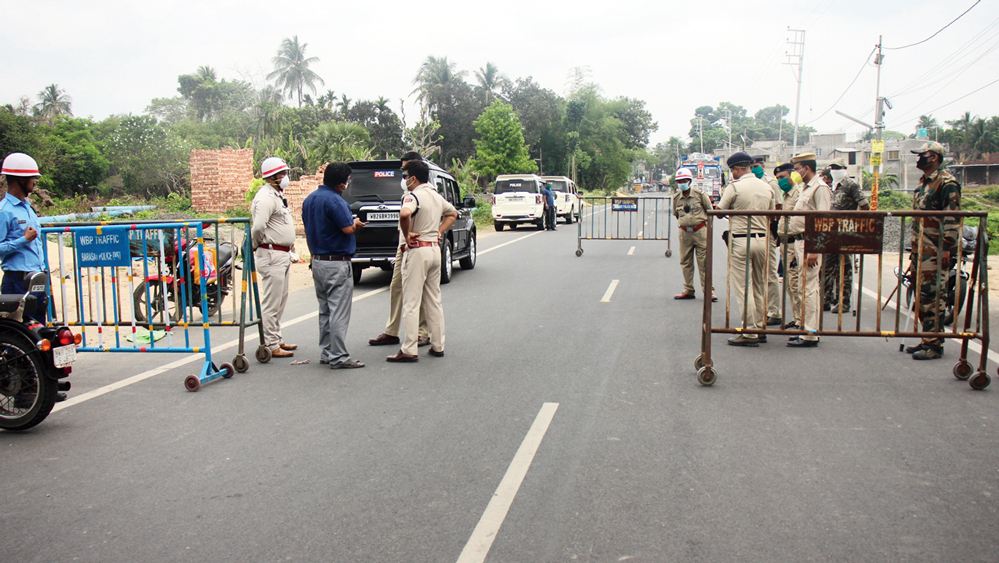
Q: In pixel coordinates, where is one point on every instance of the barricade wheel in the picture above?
(227, 370)
(962, 370)
(706, 376)
(669, 253)
(192, 383)
(263, 354)
(579, 252)
(240, 363)
(698, 362)
(980, 381)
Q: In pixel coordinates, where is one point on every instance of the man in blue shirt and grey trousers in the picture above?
(329, 230)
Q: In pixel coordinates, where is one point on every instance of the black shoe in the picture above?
(436, 354)
(913, 349)
(762, 339)
(774, 321)
(802, 343)
(743, 340)
(792, 325)
(826, 308)
(928, 353)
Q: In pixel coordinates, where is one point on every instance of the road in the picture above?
(564, 424)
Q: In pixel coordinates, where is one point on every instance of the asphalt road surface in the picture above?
(564, 424)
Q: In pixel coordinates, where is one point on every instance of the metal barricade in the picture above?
(861, 233)
(625, 218)
(149, 277)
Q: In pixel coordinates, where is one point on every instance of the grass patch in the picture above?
(483, 214)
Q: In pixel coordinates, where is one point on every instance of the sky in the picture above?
(114, 56)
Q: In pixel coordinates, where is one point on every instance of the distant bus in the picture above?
(707, 172)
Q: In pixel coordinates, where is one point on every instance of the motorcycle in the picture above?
(219, 283)
(34, 359)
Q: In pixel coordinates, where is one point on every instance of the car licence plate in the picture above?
(64, 356)
(390, 216)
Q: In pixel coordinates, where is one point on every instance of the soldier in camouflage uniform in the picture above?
(847, 195)
(937, 191)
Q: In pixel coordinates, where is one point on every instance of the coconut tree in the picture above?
(53, 102)
(490, 80)
(291, 69)
(435, 72)
(336, 141)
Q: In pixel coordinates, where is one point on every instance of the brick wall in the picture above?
(220, 179)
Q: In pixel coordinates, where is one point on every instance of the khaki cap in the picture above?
(803, 156)
(931, 147)
(838, 162)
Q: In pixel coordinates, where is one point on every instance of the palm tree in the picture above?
(927, 122)
(344, 104)
(291, 69)
(206, 73)
(336, 141)
(53, 102)
(326, 100)
(382, 104)
(980, 138)
(435, 72)
(267, 111)
(490, 79)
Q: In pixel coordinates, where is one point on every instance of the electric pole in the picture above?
(700, 131)
(796, 56)
(728, 113)
(877, 146)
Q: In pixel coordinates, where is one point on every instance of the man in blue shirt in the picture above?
(20, 246)
(549, 207)
(329, 230)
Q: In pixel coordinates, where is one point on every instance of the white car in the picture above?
(566, 197)
(517, 199)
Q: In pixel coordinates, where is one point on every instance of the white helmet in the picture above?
(20, 164)
(684, 174)
(271, 166)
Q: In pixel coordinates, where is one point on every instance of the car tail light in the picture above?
(537, 200)
(492, 200)
(64, 337)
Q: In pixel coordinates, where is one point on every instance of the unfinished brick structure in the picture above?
(220, 179)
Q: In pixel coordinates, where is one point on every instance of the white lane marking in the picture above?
(974, 346)
(481, 252)
(482, 538)
(632, 251)
(610, 291)
(183, 361)
(640, 233)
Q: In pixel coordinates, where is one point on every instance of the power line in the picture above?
(935, 34)
(965, 50)
(962, 97)
(847, 88)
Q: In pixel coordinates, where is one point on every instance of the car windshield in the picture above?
(507, 186)
(383, 186)
(558, 185)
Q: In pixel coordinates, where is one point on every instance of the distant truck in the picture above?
(707, 172)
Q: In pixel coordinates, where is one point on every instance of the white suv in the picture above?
(517, 199)
(566, 197)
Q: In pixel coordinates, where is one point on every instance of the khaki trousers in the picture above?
(753, 312)
(690, 243)
(395, 302)
(421, 287)
(792, 281)
(813, 290)
(773, 285)
(274, 267)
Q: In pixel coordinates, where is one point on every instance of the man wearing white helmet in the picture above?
(690, 208)
(20, 245)
(273, 235)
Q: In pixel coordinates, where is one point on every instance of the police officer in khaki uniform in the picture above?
(273, 236)
(790, 188)
(690, 209)
(425, 217)
(815, 196)
(773, 282)
(748, 244)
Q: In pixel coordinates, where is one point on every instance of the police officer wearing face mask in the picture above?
(773, 282)
(273, 236)
(846, 196)
(690, 209)
(790, 183)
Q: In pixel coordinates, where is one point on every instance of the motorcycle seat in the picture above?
(10, 302)
(225, 254)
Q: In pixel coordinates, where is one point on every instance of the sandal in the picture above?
(347, 365)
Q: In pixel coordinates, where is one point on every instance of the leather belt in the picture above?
(695, 228)
(750, 235)
(330, 258)
(791, 239)
(276, 247)
(419, 244)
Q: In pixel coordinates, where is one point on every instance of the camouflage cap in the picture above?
(838, 162)
(931, 147)
(803, 157)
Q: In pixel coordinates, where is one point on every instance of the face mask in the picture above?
(784, 184)
(284, 182)
(684, 186)
(837, 175)
(796, 178)
(923, 163)
(758, 172)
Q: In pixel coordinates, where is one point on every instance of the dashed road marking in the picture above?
(632, 251)
(610, 291)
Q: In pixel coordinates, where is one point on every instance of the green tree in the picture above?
(18, 135)
(490, 80)
(52, 103)
(501, 148)
(291, 69)
(75, 163)
(338, 141)
(381, 123)
(541, 112)
(435, 72)
(150, 160)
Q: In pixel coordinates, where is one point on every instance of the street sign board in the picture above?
(629, 204)
(877, 147)
(876, 159)
(855, 234)
(102, 247)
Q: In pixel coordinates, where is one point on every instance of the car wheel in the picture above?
(468, 262)
(540, 225)
(357, 269)
(568, 218)
(498, 225)
(446, 265)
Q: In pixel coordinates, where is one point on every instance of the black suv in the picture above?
(375, 192)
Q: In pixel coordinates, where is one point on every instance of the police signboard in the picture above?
(856, 234)
(102, 247)
(624, 204)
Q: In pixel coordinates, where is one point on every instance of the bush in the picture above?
(990, 193)
(890, 200)
(483, 214)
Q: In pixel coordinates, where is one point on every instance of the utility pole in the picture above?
(700, 131)
(796, 56)
(877, 147)
(728, 120)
